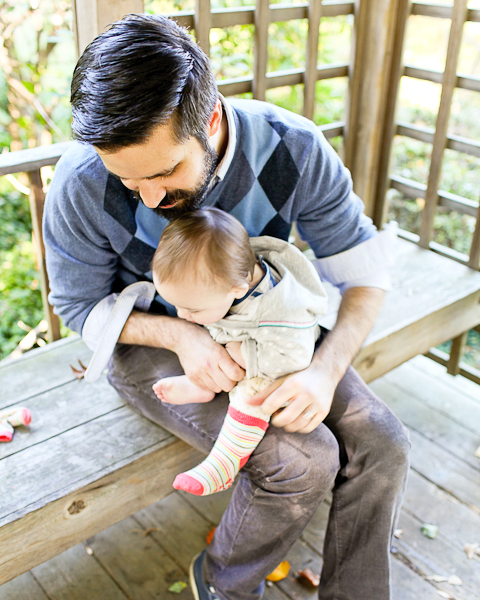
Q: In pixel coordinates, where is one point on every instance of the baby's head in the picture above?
(203, 263)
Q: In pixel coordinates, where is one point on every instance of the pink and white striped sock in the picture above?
(238, 438)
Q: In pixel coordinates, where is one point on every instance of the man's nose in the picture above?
(151, 192)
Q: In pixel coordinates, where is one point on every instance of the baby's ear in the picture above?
(239, 291)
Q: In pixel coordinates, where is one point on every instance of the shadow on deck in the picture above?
(142, 556)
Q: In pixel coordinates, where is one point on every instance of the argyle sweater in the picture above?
(99, 238)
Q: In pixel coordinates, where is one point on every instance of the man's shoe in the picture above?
(201, 590)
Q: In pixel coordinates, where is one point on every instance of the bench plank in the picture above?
(63, 408)
(74, 516)
(41, 474)
(40, 370)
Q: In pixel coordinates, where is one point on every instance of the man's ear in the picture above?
(215, 119)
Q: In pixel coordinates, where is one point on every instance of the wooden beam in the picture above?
(262, 20)
(456, 353)
(32, 159)
(391, 96)
(203, 23)
(37, 201)
(459, 16)
(372, 47)
(91, 17)
(474, 262)
(310, 75)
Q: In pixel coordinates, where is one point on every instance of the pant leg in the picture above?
(367, 496)
(279, 489)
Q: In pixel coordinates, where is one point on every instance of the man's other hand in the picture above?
(206, 363)
(307, 397)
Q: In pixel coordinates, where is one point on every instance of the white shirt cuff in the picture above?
(367, 264)
(94, 325)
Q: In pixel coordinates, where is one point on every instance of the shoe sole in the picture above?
(191, 575)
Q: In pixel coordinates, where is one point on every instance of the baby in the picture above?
(258, 297)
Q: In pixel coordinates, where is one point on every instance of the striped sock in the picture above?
(239, 436)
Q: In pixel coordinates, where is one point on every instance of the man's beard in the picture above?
(187, 200)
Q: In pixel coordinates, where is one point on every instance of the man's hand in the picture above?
(307, 396)
(206, 363)
(310, 392)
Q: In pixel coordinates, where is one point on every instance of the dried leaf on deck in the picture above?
(177, 587)
(308, 578)
(472, 549)
(429, 530)
(79, 373)
(477, 452)
(454, 580)
(210, 534)
(398, 533)
(88, 550)
(280, 572)
(149, 530)
(444, 594)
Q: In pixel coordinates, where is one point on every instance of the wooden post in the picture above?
(310, 76)
(386, 143)
(262, 20)
(203, 24)
(92, 16)
(37, 200)
(459, 16)
(372, 48)
(456, 353)
(474, 261)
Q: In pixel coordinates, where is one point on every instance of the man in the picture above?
(158, 141)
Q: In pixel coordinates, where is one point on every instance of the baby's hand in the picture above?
(234, 349)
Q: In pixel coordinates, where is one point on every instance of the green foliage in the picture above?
(20, 297)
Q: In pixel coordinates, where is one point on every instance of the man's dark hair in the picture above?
(137, 75)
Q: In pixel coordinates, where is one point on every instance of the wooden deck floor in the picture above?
(140, 557)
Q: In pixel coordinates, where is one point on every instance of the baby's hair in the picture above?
(209, 235)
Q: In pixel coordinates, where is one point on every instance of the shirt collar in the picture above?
(226, 161)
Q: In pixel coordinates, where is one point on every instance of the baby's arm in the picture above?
(234, 349)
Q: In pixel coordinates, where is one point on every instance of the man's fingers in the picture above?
(292, 413)
(259, 398)
(232, 371)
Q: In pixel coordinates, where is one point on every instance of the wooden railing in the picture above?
(374, 74)
(30, 162)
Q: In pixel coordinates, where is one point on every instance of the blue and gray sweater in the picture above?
(99, 238)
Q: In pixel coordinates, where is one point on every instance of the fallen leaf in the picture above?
(398, 533)
(280, 572)
(149, 530)
(79, 373)
(472, 549)
(429, 530)
(307, 577)
(455, 580)
(444, 594)
(436, 578)
(477, 452)
(177, 587)
(88, 550)
(209, 537)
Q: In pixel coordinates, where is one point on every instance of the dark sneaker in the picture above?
(200, 589)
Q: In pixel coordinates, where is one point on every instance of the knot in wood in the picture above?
(76, 506)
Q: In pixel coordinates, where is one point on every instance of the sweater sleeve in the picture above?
(328, 213)
(81, 263)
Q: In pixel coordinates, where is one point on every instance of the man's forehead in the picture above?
(158, 155)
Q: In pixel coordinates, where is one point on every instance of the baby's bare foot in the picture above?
(180, 390)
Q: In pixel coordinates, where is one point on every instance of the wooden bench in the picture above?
(88, 460)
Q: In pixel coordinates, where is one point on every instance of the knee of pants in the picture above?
(391, 446)
(294, 463)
